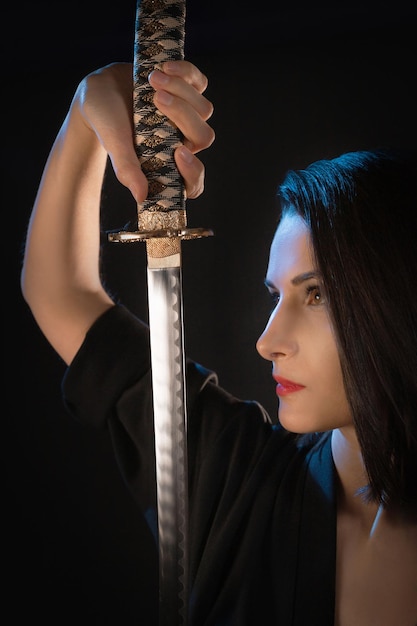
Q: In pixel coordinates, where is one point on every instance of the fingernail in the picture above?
(158, 78)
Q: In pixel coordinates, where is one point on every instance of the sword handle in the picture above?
(159, 37)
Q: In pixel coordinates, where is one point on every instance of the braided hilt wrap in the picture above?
(159, 37)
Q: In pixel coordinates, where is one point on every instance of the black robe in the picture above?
(262, 525)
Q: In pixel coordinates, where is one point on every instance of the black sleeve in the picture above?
(114, 355)
(108, 385)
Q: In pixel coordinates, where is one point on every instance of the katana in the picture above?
(162, 224)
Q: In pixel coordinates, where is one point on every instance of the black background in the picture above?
(290, 84)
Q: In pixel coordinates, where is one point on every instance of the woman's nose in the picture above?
(277, 340)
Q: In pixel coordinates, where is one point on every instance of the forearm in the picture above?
(60, 278)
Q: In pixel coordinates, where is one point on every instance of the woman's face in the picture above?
(298, 338)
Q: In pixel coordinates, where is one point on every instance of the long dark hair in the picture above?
(361, 208)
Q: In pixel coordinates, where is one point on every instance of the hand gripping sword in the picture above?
(159, 37)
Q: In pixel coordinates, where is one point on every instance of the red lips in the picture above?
(285, 387)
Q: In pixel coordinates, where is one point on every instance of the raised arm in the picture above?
(60, 275)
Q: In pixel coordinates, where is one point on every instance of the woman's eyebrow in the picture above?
(300, 278)
(297, 280)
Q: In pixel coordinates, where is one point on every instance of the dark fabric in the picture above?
(262, 500)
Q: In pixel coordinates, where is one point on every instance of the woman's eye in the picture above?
(314, 295)
(275, 297)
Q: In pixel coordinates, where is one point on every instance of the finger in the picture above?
(188, 72)
(130, 174)
(198, 135)
(179, 88)
(192, 170)
(119, 144)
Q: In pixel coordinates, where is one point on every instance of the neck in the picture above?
(352, 477)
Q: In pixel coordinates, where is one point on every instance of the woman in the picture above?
(312, 521)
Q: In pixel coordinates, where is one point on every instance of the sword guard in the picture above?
(125, 236)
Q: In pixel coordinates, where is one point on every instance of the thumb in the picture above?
(129, 173)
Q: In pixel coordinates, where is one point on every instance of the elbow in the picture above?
(25, 275)
(30, 287)
(25, 286)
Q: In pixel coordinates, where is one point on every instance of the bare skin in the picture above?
(376, 572)
(376, 568)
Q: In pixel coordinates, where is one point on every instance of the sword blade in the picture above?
(167, 359)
